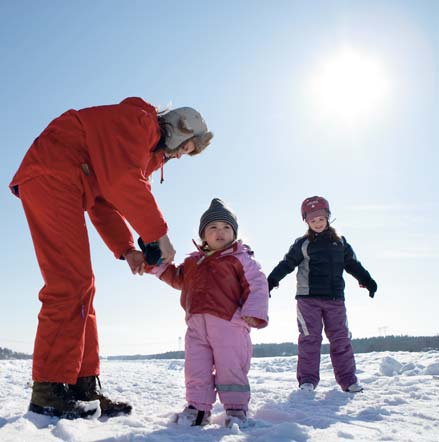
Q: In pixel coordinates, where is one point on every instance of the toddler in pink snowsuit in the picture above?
(224, 293)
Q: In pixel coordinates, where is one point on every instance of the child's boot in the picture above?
(354, 388)
(86, 389)
(54, 399)
(234, 416)
(191, 417)
(307, 386)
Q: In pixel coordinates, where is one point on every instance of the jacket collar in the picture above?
(236, 246)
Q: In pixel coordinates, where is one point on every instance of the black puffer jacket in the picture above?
(320, 265)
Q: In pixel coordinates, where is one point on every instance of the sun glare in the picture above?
(349, 87)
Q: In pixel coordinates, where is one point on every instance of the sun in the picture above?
(349, 87)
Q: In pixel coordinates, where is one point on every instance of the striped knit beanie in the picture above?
(218, 211)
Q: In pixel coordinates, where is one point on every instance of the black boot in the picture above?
(54, 399)
(86, 389)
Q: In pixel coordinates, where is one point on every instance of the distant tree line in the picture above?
(365, 345)
(5, 353)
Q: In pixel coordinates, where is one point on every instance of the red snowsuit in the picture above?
(96, 159)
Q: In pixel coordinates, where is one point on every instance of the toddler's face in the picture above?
(218, 235)
(318, 224)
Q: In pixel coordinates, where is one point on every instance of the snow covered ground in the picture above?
(400, 403)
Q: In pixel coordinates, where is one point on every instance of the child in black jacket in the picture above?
(321, 257)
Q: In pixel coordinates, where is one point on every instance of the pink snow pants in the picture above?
(217, 359)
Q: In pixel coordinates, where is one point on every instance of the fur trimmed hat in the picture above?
(218, 211)
(183, 124)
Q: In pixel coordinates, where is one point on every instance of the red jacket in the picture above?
(220, 283)
(108, 152)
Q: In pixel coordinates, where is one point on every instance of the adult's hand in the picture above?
(167, 249)
(136, 261)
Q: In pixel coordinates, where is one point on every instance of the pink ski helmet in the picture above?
(315, 206)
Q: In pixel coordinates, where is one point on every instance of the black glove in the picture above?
(272, 283)
(151, 252)
(371, 287)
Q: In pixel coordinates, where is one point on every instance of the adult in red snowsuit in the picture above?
(98, 160)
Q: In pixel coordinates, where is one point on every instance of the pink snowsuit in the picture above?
(217, 290)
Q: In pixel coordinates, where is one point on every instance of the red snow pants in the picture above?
(66, 343)
(217, 360)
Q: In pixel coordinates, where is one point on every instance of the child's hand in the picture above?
(136, 262)
(371, 286)
(271, 285)
(167, 249)
(151, 252)
(252, 322)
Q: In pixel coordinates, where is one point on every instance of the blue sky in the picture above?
(335, 98)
